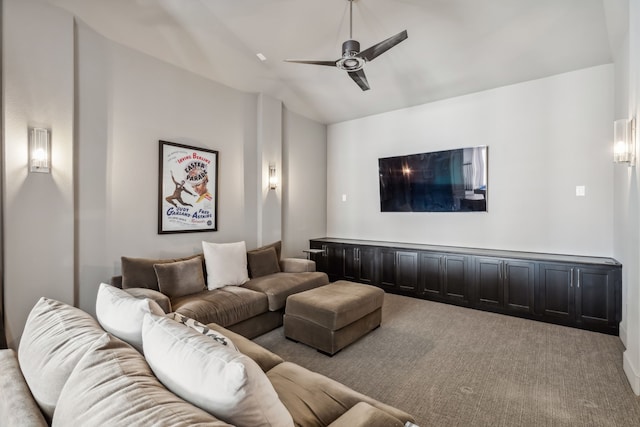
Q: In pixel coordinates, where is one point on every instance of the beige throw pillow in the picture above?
(176, 279)
(113, 386)
(121, 313)
(219, 380)
(54, 339)
(226, 264)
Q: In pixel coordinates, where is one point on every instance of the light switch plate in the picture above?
(581, 190)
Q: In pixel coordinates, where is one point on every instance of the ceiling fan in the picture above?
(352, 60)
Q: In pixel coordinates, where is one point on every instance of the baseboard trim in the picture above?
(623, 334)
(631, 372)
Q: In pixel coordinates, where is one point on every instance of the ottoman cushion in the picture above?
(335, 305)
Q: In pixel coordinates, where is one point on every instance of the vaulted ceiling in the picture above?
(454, 47)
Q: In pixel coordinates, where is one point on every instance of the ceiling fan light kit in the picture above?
(352, 60)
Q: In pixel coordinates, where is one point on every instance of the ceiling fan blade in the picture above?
(328, 63)
(380, 48)
(360, 79)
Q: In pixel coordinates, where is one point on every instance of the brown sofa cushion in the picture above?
(224, 306)
(315, 400)
(364, 414)
(179, 278)
(279, 286)
(263, 357)
(139, 272)
(263, 262)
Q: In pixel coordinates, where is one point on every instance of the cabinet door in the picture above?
(519, 283)
(388, 268)
(557, 297)
(350, 263)
(595, 296)
(407, 270)
(489, 284)
(431, 274)
(320, 259)
(455, 277)
(335, 262)
(367, 264)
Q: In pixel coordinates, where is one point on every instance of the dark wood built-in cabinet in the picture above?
(578, 291)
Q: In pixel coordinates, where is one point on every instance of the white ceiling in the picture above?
(454, 47)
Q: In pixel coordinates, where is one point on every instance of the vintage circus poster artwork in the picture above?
(188, 190)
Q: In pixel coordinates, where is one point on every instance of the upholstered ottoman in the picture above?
(331, 317)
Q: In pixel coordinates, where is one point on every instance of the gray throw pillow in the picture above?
(139, 272)
(176, 279)
(263, 262)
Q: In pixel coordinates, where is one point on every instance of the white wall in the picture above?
(627, 197)
(545, 137)
(269, 153)
(39, 210)
(127, 103)
(304, 172)
(66, 232)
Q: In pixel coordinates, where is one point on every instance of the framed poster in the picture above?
(188, 189)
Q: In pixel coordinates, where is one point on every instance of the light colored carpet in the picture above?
(452, 366)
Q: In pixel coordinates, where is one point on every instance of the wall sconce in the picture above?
(624, 141)
(273, 178)
(39, 150)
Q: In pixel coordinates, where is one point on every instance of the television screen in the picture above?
(441, 181)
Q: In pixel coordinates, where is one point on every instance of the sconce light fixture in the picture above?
(624, 141)
(39, 150)
(273, 178)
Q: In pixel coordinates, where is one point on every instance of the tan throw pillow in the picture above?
(176, 279)
(113, 385)
(54, 339)
(263, 262)
(226, 264)
(121, 313)
(139, 272)
(275, 245)
(220, 380)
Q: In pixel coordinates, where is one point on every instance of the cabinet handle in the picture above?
(324, 250)
(571, 279)
(578, 282)
(500, 268)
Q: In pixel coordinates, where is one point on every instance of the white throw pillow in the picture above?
(220, 380)
(226, 264)
(121, 314)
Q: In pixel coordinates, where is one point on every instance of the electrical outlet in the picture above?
(580, 190)
(344, 197)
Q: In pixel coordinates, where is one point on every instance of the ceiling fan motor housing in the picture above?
(349, 60)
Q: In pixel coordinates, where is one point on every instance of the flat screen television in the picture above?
(440, 181)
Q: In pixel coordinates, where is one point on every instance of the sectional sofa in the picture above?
(249, 308)
(71, 371)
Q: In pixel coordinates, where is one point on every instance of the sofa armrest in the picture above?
(163, 301)
(363, 414)
(17, 406)
(297, 265)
